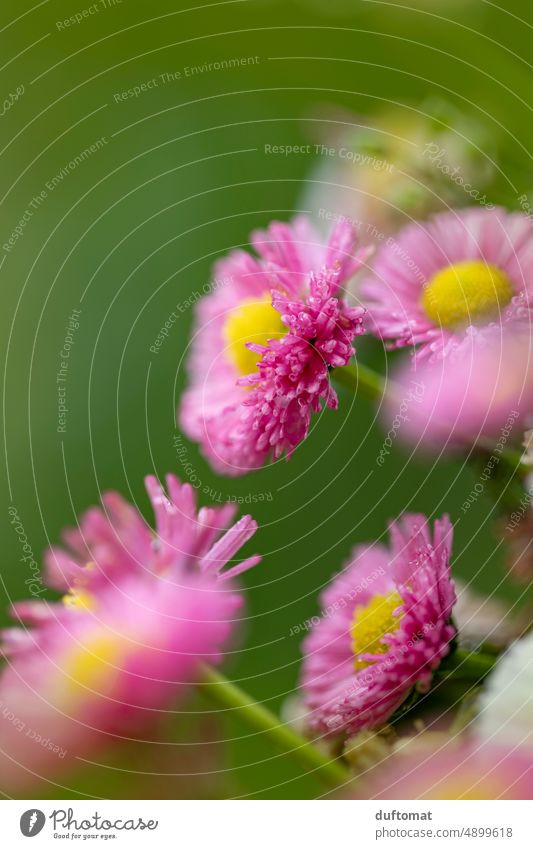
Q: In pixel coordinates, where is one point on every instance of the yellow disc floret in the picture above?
(371, 622)
(467, 788)
(254, 320)
(79, 599)
(465, 293)
(93, 665)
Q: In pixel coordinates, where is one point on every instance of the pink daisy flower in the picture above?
(127, 639)
(386, 626)
(266, 339)
(453, 770)
(483, 389)
(440, 280)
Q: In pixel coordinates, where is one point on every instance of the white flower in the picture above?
(506, 704)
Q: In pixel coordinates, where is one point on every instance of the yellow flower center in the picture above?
(93, 665)
(466, 292)
(372, 622)
(470, 787)
(254, 320)
(79, 599)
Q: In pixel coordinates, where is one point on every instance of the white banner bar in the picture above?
(267, 824)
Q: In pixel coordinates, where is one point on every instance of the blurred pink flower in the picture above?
(266, 339)
(436, 280)
(379, 179)
(386, 628)
(452, 770)
(127, 639)
(483, 389)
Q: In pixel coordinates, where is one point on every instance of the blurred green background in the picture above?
(180, 177)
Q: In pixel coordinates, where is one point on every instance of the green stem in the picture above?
(256, 716)
(466, 713)
(466, 664)
(360, 378)
(510, 456)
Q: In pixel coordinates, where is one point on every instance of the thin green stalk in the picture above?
(256, 716)
(466, 713)
(467, 664)
(511, 457)
(360, 378)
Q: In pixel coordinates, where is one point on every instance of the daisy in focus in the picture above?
(385, 629)
(141, 610)
(436, 282)
(267, 338)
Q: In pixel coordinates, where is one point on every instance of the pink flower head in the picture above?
(267, 337)
(128, 637)
(483, 389)
(437, 281)
(453, 770)
(385, 628)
